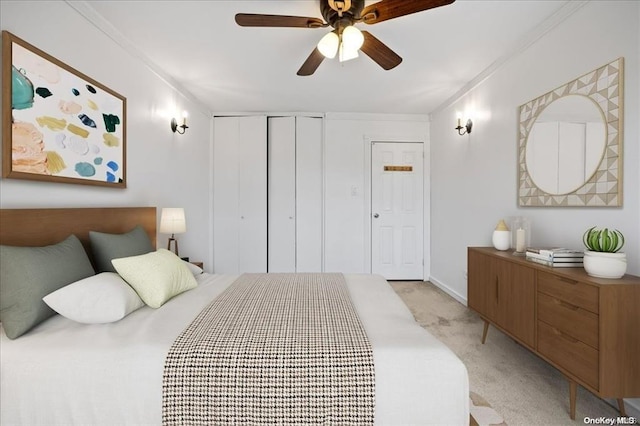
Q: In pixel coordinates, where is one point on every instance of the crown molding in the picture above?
(555, 19)
(97, 20)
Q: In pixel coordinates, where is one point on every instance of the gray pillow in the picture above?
(27, 274)
(113, 246)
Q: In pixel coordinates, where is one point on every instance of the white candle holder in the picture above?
(520, 235)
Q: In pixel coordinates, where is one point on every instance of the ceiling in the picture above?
(197, 46)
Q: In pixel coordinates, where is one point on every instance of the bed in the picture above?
(65, 372)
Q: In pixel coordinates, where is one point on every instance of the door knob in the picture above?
(376, 215)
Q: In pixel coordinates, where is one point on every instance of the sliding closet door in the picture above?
(282, 194)
(309, 194)
(240, 194)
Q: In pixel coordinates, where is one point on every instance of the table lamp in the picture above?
(172, 222)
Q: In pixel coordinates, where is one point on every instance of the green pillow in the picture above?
(156, 276)
(106, 247)
(27, 274)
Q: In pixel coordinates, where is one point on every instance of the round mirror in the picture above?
(566, 144)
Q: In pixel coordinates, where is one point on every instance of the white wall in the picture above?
(163, 169)
(474, 178)
(346, 166)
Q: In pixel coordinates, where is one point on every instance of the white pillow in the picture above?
(157, 276)
(195, 270)
(96, 299)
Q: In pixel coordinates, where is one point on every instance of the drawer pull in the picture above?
(564, 336)
(568, 280)
(565, 304)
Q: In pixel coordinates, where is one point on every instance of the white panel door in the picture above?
(542, 155)
(240, 194)
(397, 208)
(571, 156)
(308, 194)
(282, 194)
(252, 177)
(225, 195)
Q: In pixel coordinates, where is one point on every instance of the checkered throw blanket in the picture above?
(272, 349)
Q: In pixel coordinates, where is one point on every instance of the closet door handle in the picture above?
(568, 280)
(497, 289)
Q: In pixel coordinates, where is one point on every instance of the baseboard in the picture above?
(460, 298)
(631, 405)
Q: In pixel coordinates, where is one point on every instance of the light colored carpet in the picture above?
(521, 387)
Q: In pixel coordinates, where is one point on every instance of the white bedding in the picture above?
(67, 373)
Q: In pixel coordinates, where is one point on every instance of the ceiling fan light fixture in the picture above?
(345, 40)
(352, 38)
(328, 45)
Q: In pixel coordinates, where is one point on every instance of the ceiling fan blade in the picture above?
(258, 20)
(389, 9)
(312, 63)
(379, 52)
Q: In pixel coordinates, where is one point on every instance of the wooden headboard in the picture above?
(41, 227)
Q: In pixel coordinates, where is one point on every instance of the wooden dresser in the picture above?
(588, 328)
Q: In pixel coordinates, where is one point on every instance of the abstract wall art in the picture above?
(58, 125)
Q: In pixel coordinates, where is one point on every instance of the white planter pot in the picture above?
(501, 240)
(605, 265)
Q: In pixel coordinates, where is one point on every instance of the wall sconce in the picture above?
(174, 124)
(467, 127)
(172, 221)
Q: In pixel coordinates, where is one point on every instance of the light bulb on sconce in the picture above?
(467, 127)
(174, 124)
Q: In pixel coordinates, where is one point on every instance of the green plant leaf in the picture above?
(596, 241)
(606, 240)
(614, 241)
(586, 237)
(621, 240)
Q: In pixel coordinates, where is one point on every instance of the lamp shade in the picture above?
(352, 38)
(172, 221)
(346, 54)
(328, 45)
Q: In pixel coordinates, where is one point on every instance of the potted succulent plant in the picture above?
(603, 258)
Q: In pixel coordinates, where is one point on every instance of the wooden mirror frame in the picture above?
(604, 86)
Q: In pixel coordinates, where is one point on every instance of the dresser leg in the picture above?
(623, 413)
(573, 390)
(484, 332)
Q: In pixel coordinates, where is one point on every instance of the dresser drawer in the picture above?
(571, 291)
(576, 357)
(569, 319)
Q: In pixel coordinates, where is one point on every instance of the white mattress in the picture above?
(68, 373)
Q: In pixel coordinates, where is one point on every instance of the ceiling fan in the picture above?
(345, 40)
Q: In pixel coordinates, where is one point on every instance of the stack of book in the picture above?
(556, 257)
